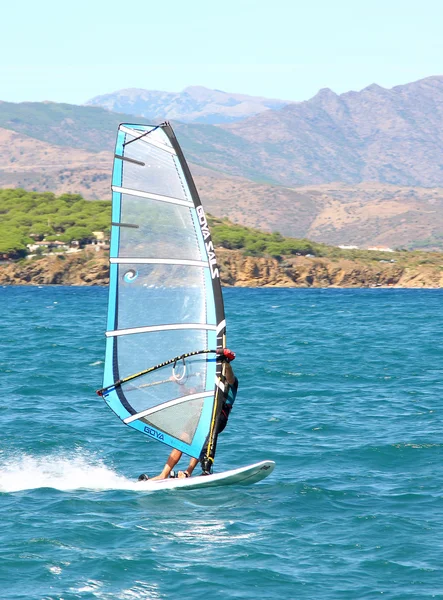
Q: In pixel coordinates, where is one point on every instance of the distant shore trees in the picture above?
(27, 217)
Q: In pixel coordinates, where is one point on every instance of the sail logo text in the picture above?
(156, 434)
(209, 245)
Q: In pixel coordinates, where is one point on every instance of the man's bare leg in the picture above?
(192, 464)
(173, 459)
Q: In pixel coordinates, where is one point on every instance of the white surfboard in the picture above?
(242, 476)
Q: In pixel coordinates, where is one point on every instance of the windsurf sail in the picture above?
(165, 311)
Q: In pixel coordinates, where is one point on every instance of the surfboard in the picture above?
(242, 476)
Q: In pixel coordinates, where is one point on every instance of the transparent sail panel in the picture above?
(179, 421)
(164, 230)
(137, 352)
(158, 294)
(168, 383)
(156, 134)
(157, 175)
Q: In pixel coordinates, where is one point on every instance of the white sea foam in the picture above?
(56, 570)
(214, 531)
(139, 591)
(78, 471)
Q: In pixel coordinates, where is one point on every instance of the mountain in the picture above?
(195, 104)
(387, 135)
(390, 136)
(93, 128)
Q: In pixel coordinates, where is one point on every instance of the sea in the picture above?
(341, 388)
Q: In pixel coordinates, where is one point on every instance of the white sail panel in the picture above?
(144, 162)
(159, 230)
(158, 294)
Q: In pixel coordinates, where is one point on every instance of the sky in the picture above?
(285, 49)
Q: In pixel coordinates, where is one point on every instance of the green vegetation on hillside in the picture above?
(258, 243)
(28, 216)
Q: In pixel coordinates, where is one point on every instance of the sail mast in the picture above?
(208, 459)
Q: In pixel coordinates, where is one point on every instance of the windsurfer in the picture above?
(229, 398)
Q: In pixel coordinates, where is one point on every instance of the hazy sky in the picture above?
(286, 49)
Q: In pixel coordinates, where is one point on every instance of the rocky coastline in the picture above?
(237, 270)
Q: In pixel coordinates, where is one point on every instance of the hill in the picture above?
(82, 127)
(33, 164)
(365, 214)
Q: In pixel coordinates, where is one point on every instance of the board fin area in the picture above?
(242, 476)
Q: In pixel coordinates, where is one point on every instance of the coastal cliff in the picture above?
(236, 269)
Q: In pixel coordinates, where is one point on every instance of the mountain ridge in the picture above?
(194, 104)
(391, 136)
(387, 135)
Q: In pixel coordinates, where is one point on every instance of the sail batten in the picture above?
(159, 261)
(131, 160)
(175, 326)
(165, 297)
(151, 196)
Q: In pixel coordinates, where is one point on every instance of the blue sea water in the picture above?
(342, 388)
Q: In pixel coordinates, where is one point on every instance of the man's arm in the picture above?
(229, 374)
(227, 356)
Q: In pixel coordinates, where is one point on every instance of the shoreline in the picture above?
(91, 268)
